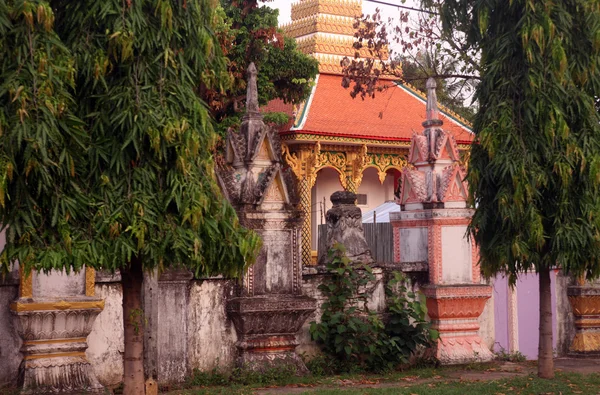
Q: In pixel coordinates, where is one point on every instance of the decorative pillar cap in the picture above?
(343, 197)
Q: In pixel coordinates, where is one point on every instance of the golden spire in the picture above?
(325, 30)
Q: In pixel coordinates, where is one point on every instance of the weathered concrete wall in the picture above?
(171, 326)
(565, 326)
(487, 324)
(211, 335)
(10, 342)
(58, 284)
(105, 343)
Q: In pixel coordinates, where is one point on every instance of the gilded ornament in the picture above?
(292, 160)
(343, 139)
(25, 284)
(80, 354)
(90, 281)
(61, 305)
(585, 305)
(341, 46)
(586, 342)
(320, 23)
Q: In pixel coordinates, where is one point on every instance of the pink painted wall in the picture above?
(528, 302)
(500, 289)
(528, 313)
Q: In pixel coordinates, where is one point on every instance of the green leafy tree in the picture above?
(106, 146)
(535, 169)
(251, 35)
(42, 205)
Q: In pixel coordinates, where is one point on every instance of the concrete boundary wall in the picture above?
(207, 335)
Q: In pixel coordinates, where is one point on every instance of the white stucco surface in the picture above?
(58, 284)
(413, 245)
(211, 335)
(105, 343)
(456, 256)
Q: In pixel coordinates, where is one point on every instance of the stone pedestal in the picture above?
(454, 313)
(54, 315)
(431, 229)
(269, 308)
(585, 301)
(267, 328)
(54, 334)
(344, 226)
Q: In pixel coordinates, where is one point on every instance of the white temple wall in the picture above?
(377, 193)
(210, 335)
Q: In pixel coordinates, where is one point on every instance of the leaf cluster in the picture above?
(106, 146)
(253, 36)
(535, 170)
(356, 336)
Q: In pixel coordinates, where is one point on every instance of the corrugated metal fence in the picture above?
(379, 238)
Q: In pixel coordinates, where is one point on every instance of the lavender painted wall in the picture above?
(501, 313)
(528, 302)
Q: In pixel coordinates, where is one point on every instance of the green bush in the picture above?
(358, 338)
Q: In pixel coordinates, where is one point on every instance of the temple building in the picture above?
(336, 142)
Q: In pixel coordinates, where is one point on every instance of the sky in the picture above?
(285, 8)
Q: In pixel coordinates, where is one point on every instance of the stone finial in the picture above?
(252, 91)
(433, 113)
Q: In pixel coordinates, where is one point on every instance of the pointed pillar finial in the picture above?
(252, 91)
(433, 113)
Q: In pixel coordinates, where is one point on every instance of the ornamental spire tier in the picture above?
(269, 308)
(436, 181)
(431, 229)
(325, 30)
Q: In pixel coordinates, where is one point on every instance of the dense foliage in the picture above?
(534, 174)
(357, 337)
(106, 146)
(43, 206)
(252, 35)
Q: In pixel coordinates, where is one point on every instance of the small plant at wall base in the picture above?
(357, 337)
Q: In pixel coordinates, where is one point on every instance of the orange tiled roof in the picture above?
(393, 114)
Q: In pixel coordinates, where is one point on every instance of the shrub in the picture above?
(359, 338)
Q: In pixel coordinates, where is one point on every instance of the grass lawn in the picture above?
(563, 384)
(443, 381)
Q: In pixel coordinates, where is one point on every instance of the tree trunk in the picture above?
(133, 324)
(545, 351)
